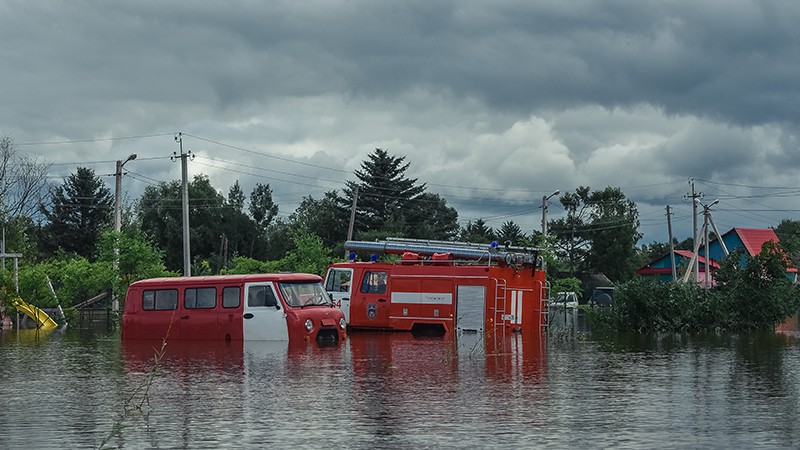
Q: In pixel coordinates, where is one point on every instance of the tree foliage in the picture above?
(78, 211)
(477, 232)
(262, 208)
(385, 195)
(755, 296)
(324, 217)
(511, 232)
(599, 233)
(160, 214)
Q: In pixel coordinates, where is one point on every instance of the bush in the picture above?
(757, 296)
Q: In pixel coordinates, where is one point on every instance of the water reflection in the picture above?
(397, 390)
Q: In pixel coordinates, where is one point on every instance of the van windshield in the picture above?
(304, 294)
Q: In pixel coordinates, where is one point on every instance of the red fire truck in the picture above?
(440, 285)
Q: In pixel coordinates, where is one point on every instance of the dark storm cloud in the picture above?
(519, 96)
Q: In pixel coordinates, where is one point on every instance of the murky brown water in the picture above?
(394, 390)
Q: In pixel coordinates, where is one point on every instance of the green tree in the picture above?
(477, 232)
(308, 255)
(429, 217)
(511, 232)
(752, 296)
(135, 256)
(324, 218)
(599, 233)
(788, 232)
(571, 242)
(78, 211)
(236, 197)
(613, 234)
(759, 295)
(385, 194)
(262, 208)
(160, 213)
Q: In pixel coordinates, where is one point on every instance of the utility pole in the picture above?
(545, 198)
(187, 257)
(352, 217)
(706, 221)
(118, 192)
(118, 218)
(694, 196)
(671, 245)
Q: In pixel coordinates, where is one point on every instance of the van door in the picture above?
(264, 318)
(370, 304)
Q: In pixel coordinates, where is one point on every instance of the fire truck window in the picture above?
(338, 281)
(200, 298)
(374, 282)
(230, 297)
(160, 300)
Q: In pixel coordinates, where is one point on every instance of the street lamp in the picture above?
(545, 198)
(118, 194)
(118, 218)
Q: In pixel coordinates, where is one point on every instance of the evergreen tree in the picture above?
(78, 211)
(262, 208)
(236, 197)
(384, 193)
(431, 218)
(478, 232)
(511, 232)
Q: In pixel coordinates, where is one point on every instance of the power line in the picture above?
(84, 141)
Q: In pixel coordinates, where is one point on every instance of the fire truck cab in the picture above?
(440, 285)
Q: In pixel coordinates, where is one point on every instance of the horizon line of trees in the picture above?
(598, 234)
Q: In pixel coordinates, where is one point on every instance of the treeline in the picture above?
(66, 234)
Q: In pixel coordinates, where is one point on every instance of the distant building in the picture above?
(749, 239)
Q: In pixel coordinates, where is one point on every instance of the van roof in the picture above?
(215, 279)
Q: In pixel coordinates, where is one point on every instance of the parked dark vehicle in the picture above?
(602, 296)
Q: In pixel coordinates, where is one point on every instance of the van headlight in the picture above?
(309, 325)
(342, 323)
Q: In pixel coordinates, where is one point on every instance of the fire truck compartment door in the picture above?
(470, 308)
(264, 318)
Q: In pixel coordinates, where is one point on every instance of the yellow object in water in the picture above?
(43, 321)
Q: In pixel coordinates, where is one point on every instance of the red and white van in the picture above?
(265, 307)
(442, 286)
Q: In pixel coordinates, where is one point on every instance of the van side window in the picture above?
(200, 298)
(231, 296)
(374, 282)
(160, 299)
(261, 296)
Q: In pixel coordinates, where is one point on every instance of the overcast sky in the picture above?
(493, 103)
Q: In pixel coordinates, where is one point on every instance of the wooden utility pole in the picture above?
(187, 257)
(671, 245)
(352, 215)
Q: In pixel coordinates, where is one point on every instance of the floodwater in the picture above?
(85, 389)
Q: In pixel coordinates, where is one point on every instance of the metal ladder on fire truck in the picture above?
(544, 308)
(499, 303)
